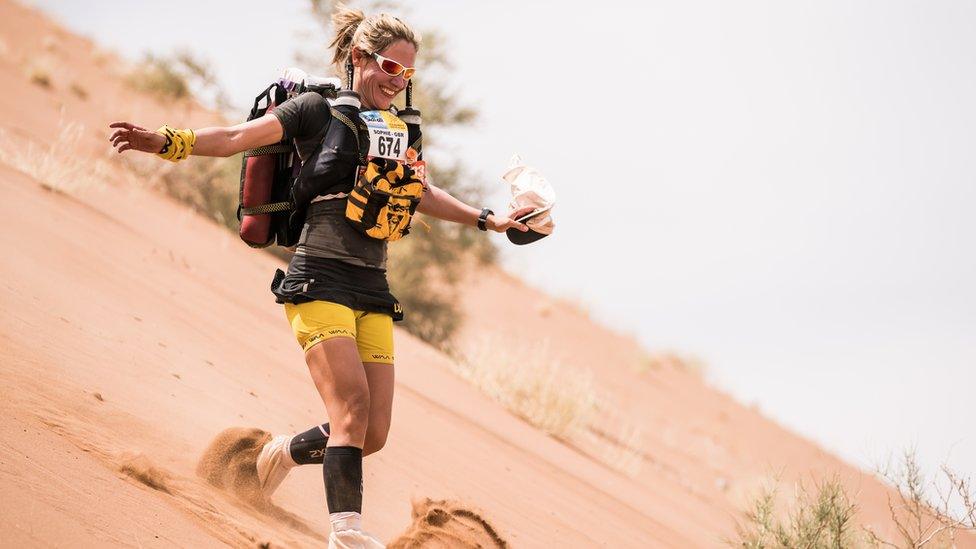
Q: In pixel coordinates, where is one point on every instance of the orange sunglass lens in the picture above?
(393, 69)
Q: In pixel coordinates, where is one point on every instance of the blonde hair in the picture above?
(370, 34)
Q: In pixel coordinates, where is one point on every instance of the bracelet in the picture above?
(179, 143)
(483, 219)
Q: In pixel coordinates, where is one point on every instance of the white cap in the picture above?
(530, 188)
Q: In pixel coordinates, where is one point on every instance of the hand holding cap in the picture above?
(532, 194)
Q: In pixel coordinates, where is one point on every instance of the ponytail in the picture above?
(370, 34)
(345, 21)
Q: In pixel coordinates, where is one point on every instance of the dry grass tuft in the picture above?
(40, 69)
(60, 166)
(670, 360)
(39, 76)
(79, 91)
(534, 384)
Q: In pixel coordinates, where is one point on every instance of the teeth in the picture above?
(388, 91)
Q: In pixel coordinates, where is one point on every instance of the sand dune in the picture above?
(134, 331)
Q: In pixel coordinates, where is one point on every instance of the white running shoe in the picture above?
(273, 464)
(353, 539)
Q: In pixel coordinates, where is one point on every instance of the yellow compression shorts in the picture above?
(316, 321)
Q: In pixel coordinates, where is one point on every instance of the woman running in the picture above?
(335, 293)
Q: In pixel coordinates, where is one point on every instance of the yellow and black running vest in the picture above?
(389, 178)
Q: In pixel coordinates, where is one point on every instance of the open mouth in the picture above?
(389, 92)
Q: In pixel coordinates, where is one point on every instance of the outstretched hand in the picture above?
(128, 136)
(501, 223)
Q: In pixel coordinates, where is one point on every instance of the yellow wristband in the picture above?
(179, 143)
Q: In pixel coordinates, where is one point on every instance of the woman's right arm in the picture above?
(223, 141)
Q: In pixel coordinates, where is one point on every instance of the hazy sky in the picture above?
(785, 189)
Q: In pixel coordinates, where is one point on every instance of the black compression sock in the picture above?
(309, 447)
(343, 472)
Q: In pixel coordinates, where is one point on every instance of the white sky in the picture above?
(785, 189)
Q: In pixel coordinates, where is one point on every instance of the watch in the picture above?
(483, 219)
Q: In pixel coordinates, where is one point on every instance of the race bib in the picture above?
(387, 134)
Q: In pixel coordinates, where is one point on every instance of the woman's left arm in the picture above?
(438, 203)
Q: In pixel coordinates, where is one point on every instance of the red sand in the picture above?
(133, 331)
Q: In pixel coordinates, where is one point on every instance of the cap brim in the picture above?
(535, 213)
(518, 237)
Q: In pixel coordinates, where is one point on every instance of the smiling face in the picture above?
(377, 89)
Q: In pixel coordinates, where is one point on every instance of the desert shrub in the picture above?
(826, 519)
(159, 76)
(823, 519)
(922, 520)
(179, 77)
(39, 74)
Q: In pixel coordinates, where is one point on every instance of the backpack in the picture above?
(265, 210)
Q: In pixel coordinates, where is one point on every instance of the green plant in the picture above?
(821, 519)
(826, 519)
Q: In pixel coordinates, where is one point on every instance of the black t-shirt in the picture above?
(333, 261)
(304, 119)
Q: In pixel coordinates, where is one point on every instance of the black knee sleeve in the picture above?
(309, 447)
(343, 471)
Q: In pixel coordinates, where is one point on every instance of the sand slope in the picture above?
(133, 331)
